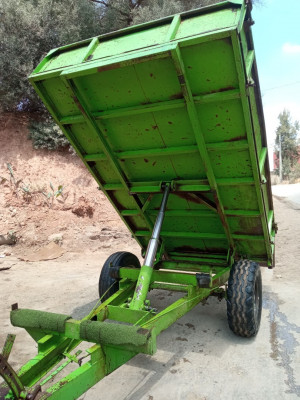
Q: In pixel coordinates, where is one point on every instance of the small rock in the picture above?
(278, 276)
(83, 208)
(56, 238)
(104, 238)
(92, 233)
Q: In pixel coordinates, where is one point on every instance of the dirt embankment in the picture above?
(47, 195)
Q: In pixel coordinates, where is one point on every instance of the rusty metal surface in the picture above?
(11, 378)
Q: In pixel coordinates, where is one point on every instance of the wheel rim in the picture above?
(256, 300)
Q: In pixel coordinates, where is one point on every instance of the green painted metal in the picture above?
(173, 102)
(156, 103)
(116, 343)
(143, 283)
(8, 345)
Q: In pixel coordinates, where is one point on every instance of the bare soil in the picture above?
(81, 219)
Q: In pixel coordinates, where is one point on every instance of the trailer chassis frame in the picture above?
(114, 343)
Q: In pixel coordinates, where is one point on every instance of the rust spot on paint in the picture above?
(176, 96)
(225, 89)
(235, 139)
(77, 102)
(249, 227)
(151, 75)
(143, 331)
(187, 249)
(227, 40)
(195, 198)
(216, 115)
(181, 79)
(188, 197)
(109, 67)
(154, 127)
(170, 122)
(218, 124)
(62, 383)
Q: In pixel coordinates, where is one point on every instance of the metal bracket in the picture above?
(114, 272)
(73, 358)
(144, 279)
(263, 180)
(8, 345)
(204, 280)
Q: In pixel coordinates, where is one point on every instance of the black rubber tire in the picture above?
(244, 298)
(118, 259)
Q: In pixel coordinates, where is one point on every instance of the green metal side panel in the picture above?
(176, 100)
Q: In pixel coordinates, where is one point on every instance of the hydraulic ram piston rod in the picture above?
(144, 279)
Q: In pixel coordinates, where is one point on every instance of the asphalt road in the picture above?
(288, 192)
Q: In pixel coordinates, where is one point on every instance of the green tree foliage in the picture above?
(154, 9)
(287, 133)
(121, 13)
(28, 30)
(45, 134)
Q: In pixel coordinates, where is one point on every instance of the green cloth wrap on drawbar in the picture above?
(32, 319)
(114, 334)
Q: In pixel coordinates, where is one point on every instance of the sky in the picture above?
(276, 35)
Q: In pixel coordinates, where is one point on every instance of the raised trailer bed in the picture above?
(167, 117)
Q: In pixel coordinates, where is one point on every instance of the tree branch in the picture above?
(100, 2)
(108, 5)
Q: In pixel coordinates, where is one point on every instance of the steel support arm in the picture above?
(144, 279)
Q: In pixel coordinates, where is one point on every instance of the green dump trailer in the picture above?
(167, 117)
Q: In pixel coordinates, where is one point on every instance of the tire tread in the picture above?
(242, 319)
(118, 259)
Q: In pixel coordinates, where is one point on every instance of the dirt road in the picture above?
(198, 357)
